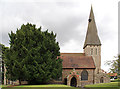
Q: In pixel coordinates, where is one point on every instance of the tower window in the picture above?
(91, 51)
(96, 51)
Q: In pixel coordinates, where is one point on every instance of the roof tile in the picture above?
(77, 62)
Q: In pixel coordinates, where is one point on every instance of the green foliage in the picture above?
(2, 51)
(114, 65)
(2, 56)
(33, 55)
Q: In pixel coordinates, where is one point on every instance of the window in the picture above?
(91, 51)
(96, 51)
(98, 71)
(84, 75)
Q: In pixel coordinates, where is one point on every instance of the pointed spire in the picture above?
(91, 36)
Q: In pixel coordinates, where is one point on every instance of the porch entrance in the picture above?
(101, 80)
(73, 82)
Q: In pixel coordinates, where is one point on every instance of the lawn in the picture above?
(50, 86)
(111, 85)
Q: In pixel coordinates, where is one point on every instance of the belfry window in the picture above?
(91, 51)
(84, 75)
(96, 51)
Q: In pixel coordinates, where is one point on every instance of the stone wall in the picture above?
(93, 78)
(67, 73)
(96, 56)
(98, 77)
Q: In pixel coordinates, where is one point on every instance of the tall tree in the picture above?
(33, 55)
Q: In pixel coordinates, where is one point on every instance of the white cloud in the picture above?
(67, 18)
(71, 47)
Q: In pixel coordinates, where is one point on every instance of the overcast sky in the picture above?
(67, 18)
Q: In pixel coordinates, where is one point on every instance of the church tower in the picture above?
(92, 45)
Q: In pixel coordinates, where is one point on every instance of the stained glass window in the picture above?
(84, 75)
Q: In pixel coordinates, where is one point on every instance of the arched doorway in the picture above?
(101, 80)
(73, 82)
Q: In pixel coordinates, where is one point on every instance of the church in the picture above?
(81, 69)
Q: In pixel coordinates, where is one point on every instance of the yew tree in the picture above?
(33, 55)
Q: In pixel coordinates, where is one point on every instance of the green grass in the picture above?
(111, 85)
(50, 86)
(116, 80)
(5, 85)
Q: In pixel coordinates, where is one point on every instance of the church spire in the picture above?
(91, 36)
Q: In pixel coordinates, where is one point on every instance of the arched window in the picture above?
(84, 75)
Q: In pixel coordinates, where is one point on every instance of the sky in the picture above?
(68, 19)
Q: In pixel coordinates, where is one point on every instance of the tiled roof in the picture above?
(72, 54)
(112, 74)
(77, 62)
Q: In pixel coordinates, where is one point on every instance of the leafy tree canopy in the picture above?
(114, 64)
(33, 55)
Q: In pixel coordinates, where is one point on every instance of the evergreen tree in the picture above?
(33, 55)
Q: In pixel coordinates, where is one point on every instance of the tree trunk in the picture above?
(19, 81)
